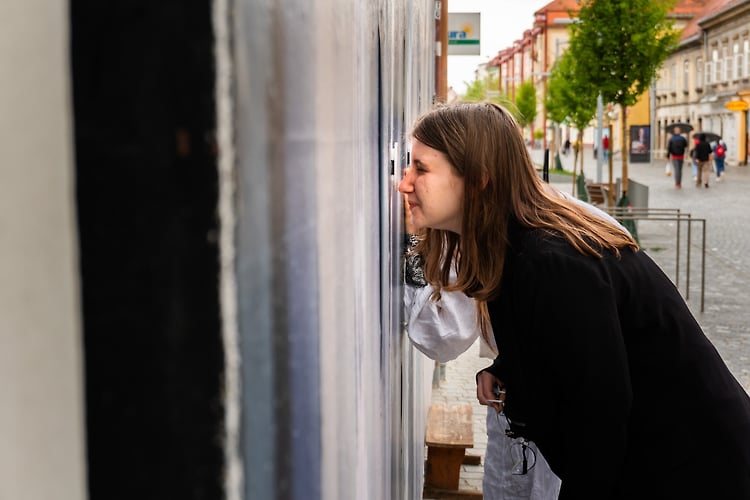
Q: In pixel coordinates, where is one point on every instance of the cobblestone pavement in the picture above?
(458, 387)
(725, 206)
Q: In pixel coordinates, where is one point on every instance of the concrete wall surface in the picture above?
(41, 415)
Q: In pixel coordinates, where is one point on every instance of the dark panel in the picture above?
(143, 81)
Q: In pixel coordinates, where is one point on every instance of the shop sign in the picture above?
(738, 105)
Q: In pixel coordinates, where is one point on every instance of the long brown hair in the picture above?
(483, 143)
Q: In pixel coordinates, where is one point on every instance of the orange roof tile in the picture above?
(689, 7)
(560, 6)
(717, 7)
(708, 8)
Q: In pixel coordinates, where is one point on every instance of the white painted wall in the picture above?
(41, 396)
(317, 233)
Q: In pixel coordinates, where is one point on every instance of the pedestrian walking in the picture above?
(693, 161)
(676, 154)
(605, 147)
(720, 154)
(703, 156)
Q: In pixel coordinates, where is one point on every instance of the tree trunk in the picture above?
(553, 145)
(610, 164)
(575, 162)
(578, 151)
(625, 148)
(580, 141)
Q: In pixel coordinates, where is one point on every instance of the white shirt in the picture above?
(443, 329)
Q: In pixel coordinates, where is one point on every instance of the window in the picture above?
(746, 44)
(728, 66)
(699, 73)
(685, 75)
(661, 85)
(738, 61)
(709, 77)
(716, 74)
(673, 78)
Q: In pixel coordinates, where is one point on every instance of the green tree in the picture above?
(619, 45)
(557, 96)
(526, 105)
(476, 91)
(488, 89)
(573, 99)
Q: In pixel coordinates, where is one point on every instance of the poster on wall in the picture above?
(640, 143)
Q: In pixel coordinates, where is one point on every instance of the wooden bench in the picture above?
(598, 192)
(450, 431)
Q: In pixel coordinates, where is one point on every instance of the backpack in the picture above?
(720, 150)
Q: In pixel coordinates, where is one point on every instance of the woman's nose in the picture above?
(407, 182)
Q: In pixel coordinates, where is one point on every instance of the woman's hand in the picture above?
(408, 220)
(486, 384)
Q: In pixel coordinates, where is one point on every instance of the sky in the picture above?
(502, 22)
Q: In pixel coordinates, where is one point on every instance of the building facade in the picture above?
(531, 57)
(706, 71)
(706, 81)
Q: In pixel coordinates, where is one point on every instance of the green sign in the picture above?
(463, 33)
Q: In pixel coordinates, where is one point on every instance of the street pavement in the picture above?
(725, 319)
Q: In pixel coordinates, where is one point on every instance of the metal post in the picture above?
(672, 214)
(703, 263)
(677, 257)
(687, 273)
(441, 49)
(598, 135)
(652, 119)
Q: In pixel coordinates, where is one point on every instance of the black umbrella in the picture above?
(710, 136)
(684, 127)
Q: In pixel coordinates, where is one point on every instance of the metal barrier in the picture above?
(671, 215)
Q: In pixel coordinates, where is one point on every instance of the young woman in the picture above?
(443, 326)
(603, 364)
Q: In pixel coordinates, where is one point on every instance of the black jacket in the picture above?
(676, 146)
(703, 151)
(613, 377)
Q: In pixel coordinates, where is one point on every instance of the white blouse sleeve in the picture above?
(443, 329)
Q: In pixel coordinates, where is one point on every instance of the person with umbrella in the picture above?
(676, 154)
(703, 156)
(631, 402)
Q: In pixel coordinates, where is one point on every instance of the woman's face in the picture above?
(433, 190)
